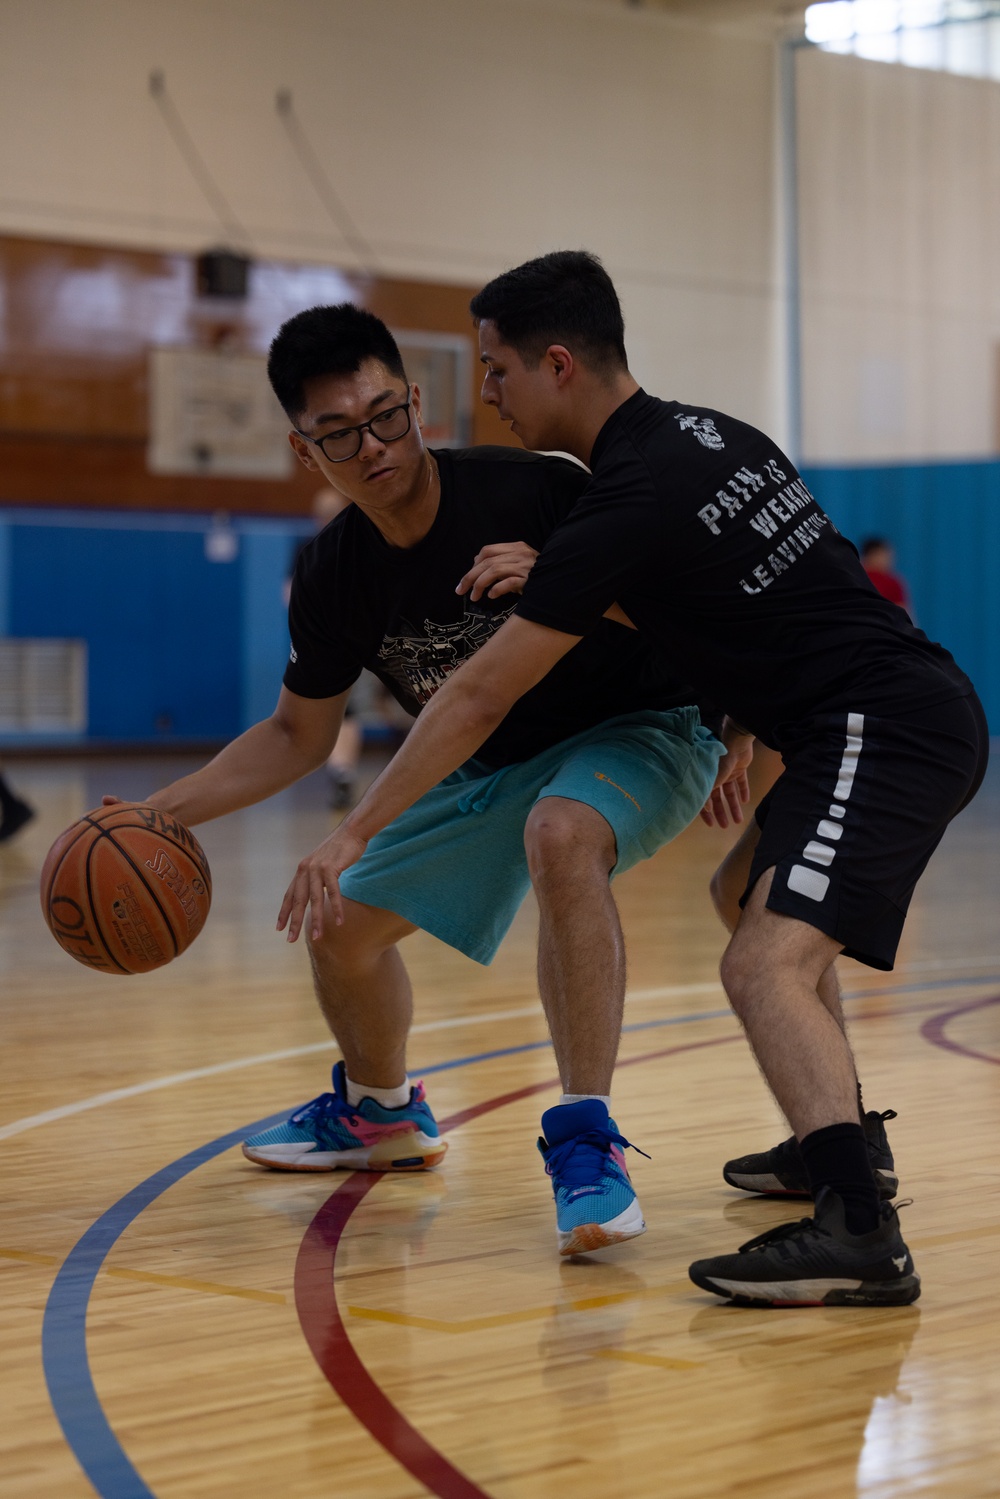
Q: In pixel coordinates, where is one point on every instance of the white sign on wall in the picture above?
(213, 413)
(441, 365)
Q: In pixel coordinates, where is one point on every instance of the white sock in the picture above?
(604, 1098)
(389, 1098)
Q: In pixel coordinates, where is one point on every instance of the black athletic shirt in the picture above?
(701, 529)
(358, 602)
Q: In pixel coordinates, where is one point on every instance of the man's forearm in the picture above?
(253, 767)
(460, 716)
(449, 730)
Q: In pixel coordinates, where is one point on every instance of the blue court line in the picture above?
(64, 1328)
(65, 1359)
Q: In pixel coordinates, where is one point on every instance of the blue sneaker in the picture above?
(584, 1155)
(328, 1134)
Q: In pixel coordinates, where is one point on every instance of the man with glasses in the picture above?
(600, 766)
(699, 529)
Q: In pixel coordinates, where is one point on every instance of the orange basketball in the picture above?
(126, 889)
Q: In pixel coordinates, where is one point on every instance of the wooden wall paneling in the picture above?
(80, 321)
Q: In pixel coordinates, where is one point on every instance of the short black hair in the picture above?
(873, 544)
(566, 297)
(327, 341)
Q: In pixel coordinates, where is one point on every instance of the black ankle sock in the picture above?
(837, 1157)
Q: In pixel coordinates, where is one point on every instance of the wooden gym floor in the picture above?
(180, 1323)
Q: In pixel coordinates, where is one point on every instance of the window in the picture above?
(951, 36)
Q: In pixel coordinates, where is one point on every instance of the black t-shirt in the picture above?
(701, 529)
(358, 602)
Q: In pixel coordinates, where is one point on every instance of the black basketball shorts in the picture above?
(862, 805)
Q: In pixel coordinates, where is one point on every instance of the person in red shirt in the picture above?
(878, 560)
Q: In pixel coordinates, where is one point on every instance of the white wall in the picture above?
(464, 136)
(900, 235)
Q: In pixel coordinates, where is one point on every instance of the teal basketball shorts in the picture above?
(454, 863)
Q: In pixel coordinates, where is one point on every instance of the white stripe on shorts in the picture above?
(852, 749)
(810, 882)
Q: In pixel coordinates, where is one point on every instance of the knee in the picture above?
(354, 946)
(566, 840)
(743, 977)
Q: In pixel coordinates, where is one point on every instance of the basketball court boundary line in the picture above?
(237, 1064)
(933, 1030)
(65, 1357)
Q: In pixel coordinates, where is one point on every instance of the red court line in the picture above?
(933, 1030)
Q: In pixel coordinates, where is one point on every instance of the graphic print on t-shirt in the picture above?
(420, 663)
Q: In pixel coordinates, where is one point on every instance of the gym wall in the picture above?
(462, 136)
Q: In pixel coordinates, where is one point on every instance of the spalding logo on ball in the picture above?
(126, 889)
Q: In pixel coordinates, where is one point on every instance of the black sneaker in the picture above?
(781, 1171)
(816, 1262)
(15, 815)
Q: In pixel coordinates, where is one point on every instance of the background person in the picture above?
(14, 813)
(879, 561)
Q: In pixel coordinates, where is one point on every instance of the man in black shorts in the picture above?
(601, 765)
(701, 531)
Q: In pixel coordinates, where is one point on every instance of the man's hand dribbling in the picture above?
(317, 880)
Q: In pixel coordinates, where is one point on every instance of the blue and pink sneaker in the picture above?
(329, 1135)
(585, 1156)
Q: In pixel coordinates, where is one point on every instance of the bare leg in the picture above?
(729, 882)
(347, 751)
(364, 992)
(772, 971)
(581, 952)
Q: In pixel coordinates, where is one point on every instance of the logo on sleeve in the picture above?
(293, 655)
(703, 428)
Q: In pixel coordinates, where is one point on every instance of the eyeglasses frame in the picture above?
(361, 429)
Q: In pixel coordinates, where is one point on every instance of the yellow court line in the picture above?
(505, 1319)
(653, 1360)
(210, 1287)
(26, 1255)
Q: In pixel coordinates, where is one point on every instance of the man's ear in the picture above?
(415, 406)
(302, 451)
(560, 362)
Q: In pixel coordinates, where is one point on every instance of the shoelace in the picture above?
(317, 1108)
(784, 1231)
(571, 1166)
(806, 1226)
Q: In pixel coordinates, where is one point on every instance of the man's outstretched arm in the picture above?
(296, 739)
(452, 726)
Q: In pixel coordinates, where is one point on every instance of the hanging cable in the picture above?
(194, 161)
(325, 190)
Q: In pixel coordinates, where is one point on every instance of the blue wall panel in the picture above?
(267, 554)
(162, 624)
(944, 521)
(181, 647)
(4, 578)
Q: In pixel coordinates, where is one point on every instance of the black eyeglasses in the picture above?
(387, 426)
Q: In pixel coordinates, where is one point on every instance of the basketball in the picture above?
(126, 889)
